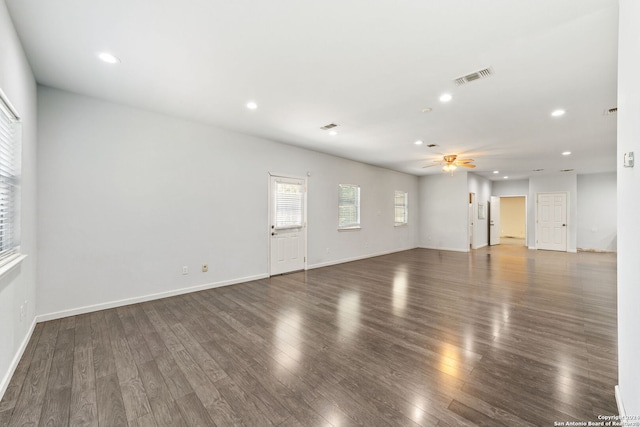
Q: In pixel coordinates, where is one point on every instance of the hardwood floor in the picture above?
(503, 336)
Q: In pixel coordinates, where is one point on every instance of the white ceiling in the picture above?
(369, 66)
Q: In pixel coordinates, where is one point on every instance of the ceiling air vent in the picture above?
(486, 72)
(329, 126)
(566, 170)
(611, 111)
(432, 145)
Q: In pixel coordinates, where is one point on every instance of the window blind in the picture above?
(401, 208)
(289, 203)
(348, 206)
(9, 181)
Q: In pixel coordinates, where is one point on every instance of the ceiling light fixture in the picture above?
(427, 110)
(558, 113)
(418, 142)
(496, 171)
(505, 177)
(252, 105)
(566, 153)
(446, 97)
(108, 58)
(333, 133)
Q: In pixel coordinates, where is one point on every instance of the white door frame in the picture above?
(270, 216)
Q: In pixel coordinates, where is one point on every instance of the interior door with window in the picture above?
(551, 217)
(287, 234)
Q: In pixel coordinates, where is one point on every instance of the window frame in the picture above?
(10, 153)
(404, 206)
(357, 225)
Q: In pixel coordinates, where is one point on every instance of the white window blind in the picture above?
(289, 204)
(401, 208)
(348, 206)
(9, 181)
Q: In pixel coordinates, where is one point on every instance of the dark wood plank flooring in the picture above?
(503, 336)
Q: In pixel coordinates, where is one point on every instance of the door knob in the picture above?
(564, 225)
(274, 233)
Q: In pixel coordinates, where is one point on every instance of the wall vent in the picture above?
(566, 170)
(611, 111)
(486, 72)
(329, 126)
(432, 145)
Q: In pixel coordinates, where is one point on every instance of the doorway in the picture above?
(513, 220)
(472, 220)
(287, 224)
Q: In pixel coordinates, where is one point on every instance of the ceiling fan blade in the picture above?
(464, 160)
(467, 165)
(429, 166)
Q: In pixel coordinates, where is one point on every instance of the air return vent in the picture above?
(611, 111)
(432, 145)
(329, 126)
(566, 170)
(486, 72)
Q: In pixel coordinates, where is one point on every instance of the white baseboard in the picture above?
(533, 248)
(621, 410)
(16, 359)
(357, 258)
(144, 298)
(444, 249)
(481, 246)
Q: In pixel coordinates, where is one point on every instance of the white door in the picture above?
(494, 221)
(287, 232)
(551, 217)
(472, 220)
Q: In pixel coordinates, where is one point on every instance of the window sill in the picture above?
(350, 228)
(401, 225)
(9, 265)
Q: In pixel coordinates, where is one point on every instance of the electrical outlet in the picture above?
(205, 268)
(185, 269)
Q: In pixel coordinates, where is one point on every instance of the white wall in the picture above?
(128, 197)
(482, 187)
(628, 206)
(597, 207)
(554, 183)
(507, 187)
(19, 285)
(444, 208)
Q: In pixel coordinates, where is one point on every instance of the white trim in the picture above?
(16, 359)
(533, 248)
(11, 264)
(445, 249)
(144, 298)
(9, 105)
(621, 410)
(481, 246)
(356, 258)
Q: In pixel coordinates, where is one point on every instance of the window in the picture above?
(9, 181)
(289, 203)
(348, 206)
(401, 208)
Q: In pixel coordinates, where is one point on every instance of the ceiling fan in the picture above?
(451, 162)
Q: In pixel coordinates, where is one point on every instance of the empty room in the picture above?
(327, 213)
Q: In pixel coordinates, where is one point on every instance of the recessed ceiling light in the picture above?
(252, 105)
(333, 133)
(566, 153)
(558, 113)
(505, 177)
(446, 97)
(496, 171)
(427, 110)
(108, 58)
(418, 142)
